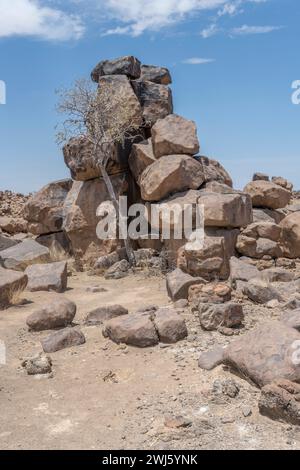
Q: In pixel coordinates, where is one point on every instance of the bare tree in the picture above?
(106, 118)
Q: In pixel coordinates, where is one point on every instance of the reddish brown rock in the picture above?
(290, 237)
(59, 313)
(13, 225)
(267, 194)
(213, 316)
(178, 284)
(280, 401)
(170, 326)
(169, 175)
(152, 73)
(175, 135)
(135, 330)
(62, 339)
(267, 353)
(140, 158)
(44, 211)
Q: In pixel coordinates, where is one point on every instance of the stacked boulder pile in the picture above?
(250, 254)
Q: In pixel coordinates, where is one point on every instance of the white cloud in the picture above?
(35, 18)
(142, 15)
(210, 31)
(197, 61)
(246, 30)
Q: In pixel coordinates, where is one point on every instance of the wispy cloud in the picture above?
(197, 61)
(210, 31)
(63, 20)
(34, 18)
(247, 30)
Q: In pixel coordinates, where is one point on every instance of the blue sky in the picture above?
(232, 62)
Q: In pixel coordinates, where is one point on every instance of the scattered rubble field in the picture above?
(107, 396)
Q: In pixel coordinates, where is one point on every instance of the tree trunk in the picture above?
(114, 199)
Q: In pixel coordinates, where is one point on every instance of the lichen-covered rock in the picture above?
(117, 89)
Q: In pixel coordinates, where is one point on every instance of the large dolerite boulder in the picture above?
(127, 65)
(156, 100)
(117, 95)
(80, 219)
(12, 283)
(211, 260)
(267, 194)
(44, 211)
(47, 277)
(214, 171)
(170, 213)
(267, 353)
(290, 235)
(170, 174)
(260, 239)
(175, 135)
(58, 313)
(178, 284)
(80, 159)
(62, 339)
(152, 73)
(141, 157)
(144, 329)
(24, 254)
(226, 210)
(135, 330)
